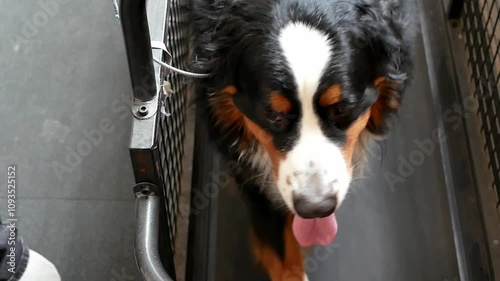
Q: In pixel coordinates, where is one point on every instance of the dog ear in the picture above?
(390, 30)
(388, 102)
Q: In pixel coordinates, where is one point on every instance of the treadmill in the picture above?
(425, 208)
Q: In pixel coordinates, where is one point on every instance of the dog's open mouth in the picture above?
(319, 231)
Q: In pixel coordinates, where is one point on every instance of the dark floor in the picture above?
(63, 72)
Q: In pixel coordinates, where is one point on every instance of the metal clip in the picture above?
(166, 92)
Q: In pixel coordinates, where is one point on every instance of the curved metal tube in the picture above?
(146, 239)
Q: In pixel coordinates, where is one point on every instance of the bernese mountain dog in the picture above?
(295, 90)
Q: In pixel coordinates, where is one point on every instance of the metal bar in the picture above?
(435, 64)
(143, 22)
(146, 237)
(455, 8)
(135, 28)
(473, 256)
(483, 67)
(464, 65)
(145, 163)
(201, 255)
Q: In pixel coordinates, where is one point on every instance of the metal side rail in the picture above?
(471, 38)
(143, 22)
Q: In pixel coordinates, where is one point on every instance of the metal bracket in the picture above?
(145, 110)
(146, 189)
(167, 56)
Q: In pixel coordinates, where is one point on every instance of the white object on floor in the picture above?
(39, 269)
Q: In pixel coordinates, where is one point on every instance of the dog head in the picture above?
(294, 85)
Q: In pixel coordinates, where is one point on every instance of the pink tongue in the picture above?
(310, 232)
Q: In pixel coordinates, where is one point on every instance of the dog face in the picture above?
(294, 90)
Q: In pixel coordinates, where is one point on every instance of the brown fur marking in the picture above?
(387, 102)
(280, 103)
(227, 116)
(289, 269)
(331, 96)
(353, 134)
(267, 141)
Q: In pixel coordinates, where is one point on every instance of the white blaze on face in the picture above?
(315, 166)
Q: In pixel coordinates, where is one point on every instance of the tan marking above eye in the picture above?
(331, 96)
(228, 117)
(280, 103)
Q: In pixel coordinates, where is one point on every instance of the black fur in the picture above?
(236, 42)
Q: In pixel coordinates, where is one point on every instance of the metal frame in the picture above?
(138, 43)
(460, 156)
(455, 8)
(477, 257)
(153, 247)
(201, 255)
(476, 140)
(480, 29)
(464, 212)
(472, 206)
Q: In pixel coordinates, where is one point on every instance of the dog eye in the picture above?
(277, 121)
(339, 111)
(276, 117)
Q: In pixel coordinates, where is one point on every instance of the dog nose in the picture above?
(308, 209)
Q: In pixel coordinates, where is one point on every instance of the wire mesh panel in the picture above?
(172, 125)
(481, 27)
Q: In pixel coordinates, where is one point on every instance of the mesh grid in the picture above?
(172, 128)
(481, 28)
